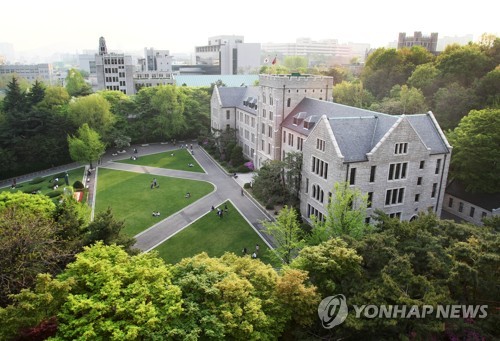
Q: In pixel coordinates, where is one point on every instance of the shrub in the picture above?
(269, 206)
(243, 169)
(32, 189)
(53, 194)
(36, 180)
(78, 185)
(247, 185)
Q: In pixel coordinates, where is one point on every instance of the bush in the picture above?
(243, 169)
(247, 185)
(32, 189)
(269, 206)
(36, 180)
(78, 185)
(54, 194)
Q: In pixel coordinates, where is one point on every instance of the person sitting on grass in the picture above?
(188, 195)
(156, 214)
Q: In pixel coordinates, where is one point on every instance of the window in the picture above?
(264, 113)
(312, 211)
(417, 197)
(247, 135)
(284, 136)
(484, 215)
(472, 211)
(438, 165)
(253, 122)
(269, 131)
(253, 138)
(400, 148)
(319, 167)
(288, 102)
(270, 115)
(270, 100)
(422, 164)
(352, 177)
(263, 128)
(307, 185)
(269, 148)
(397, 171)
(290, 139)
(461, 207)
(419, 181)
(370, 200)
(372, 173)
(320, 144)
(317, 193)
(228, 115)
(262, 145)
(394, 196)
(300, 143)
(434, 188)
(450, 202)
(395, 215)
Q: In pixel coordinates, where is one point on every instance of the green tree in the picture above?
(56, 97)
(15, 98)
(169, 105)
(292, 167)
(352, 94)
(239, 298)
(488, 88)
(453, 102)
(295, 63)
(476, 151)
(86, 146)
(269, 183)
(426, 77)
(345, 215)
(75, 84)
(106, 229)
(93, 110)
(36, 93)
(237, 158)
(286, 234)
(402, 100)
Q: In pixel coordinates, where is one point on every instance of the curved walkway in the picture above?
(226, 188)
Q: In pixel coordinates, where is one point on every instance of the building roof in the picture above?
(208, 80)
(237, 97)
(487, 201)
(357, 131)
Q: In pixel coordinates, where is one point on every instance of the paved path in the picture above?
(226, 188)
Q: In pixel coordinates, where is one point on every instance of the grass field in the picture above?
(215, 236)
(180, 161)
(132, 199)
(45, 186)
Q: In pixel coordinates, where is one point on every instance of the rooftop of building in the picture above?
(358, 131)
(244, 98)
(208, 80)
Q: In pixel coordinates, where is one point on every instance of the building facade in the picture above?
(470, 207)
(230, 53)
(400, 162)
(154, 69)
(114, 71)
(428, 42)
(41, 72)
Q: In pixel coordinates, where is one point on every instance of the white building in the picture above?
(230, 53)
(400, 162)
(40, 72)
(155, 69)
(114, 71)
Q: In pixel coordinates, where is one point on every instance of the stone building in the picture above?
(400, 162)
(428, 42)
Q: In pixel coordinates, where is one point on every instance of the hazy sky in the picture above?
(178, 26)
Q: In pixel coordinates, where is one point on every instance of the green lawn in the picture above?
(132, 199)
(180, 161)
(215, 236)
(45, 186)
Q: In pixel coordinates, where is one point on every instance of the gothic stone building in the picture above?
(400, 162)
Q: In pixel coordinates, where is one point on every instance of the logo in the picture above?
(332, 311)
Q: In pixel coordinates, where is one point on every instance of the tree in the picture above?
(169, 105)
(292, 165)
(239, 298)
(36, 94)
(55, 98)
(106, 229)
(426, 78)
(453, 102)
(402, 100)
(345, 215)
(295, 63)
(286, 234)
(15, 98)
(75, 84)
(488, 88)
(86, 146)
(269, 185)
(352, 94)
(476, 151)
(93, 110)
(105, 294)
(237, 158)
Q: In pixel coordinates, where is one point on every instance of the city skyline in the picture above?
(68, 27)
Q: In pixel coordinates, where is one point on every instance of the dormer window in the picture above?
(295, 121)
